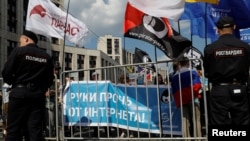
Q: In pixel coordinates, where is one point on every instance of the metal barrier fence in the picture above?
(111, 108)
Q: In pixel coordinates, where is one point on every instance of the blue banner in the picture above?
(139, 108)
(245, 35)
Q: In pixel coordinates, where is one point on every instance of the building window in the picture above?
(68, 61)
(55, 41)
(55, 56)
(12, 16)
(42, 38)
(103, 63)
(92, 61)
(117, 51)
(80, 61)
(117, 46)
(11, 45)
(117, 41)
(25, 7)
(109, 46)
(80, 65)
(117, 59)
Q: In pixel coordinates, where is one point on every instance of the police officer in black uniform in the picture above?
(29, 70)
(226, 64)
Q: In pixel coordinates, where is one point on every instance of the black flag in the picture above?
(143, 57)
(154, 30)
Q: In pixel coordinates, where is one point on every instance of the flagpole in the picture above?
(155, 55)
(124, 47)
(63, 74)
(205, 109)
(64, 38)
(179, 27)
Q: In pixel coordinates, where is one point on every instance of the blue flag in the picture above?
(196, 13)
(193, 10)
(201, 18)
(240, 10)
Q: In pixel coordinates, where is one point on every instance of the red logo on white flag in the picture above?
(38, 9)
(52, 21)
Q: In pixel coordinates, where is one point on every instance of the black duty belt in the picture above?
(29, 85)
(20, 86)
(227, 84)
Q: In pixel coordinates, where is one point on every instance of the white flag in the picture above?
(45, 18)
(171, 9)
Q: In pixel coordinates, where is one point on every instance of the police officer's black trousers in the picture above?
(227, 108)
(25, 114)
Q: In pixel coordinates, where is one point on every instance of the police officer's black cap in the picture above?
(224, 22)
(31, 35)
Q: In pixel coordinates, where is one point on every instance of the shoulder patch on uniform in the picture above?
(229, 52)
(36, 59)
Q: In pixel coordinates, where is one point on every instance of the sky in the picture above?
(106, 17)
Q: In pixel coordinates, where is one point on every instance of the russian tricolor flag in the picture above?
(186, 85)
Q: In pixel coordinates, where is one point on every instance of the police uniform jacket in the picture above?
(227, 59)
(29, 65)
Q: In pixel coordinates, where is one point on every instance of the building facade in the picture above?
(112, 46)
(12, 24)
